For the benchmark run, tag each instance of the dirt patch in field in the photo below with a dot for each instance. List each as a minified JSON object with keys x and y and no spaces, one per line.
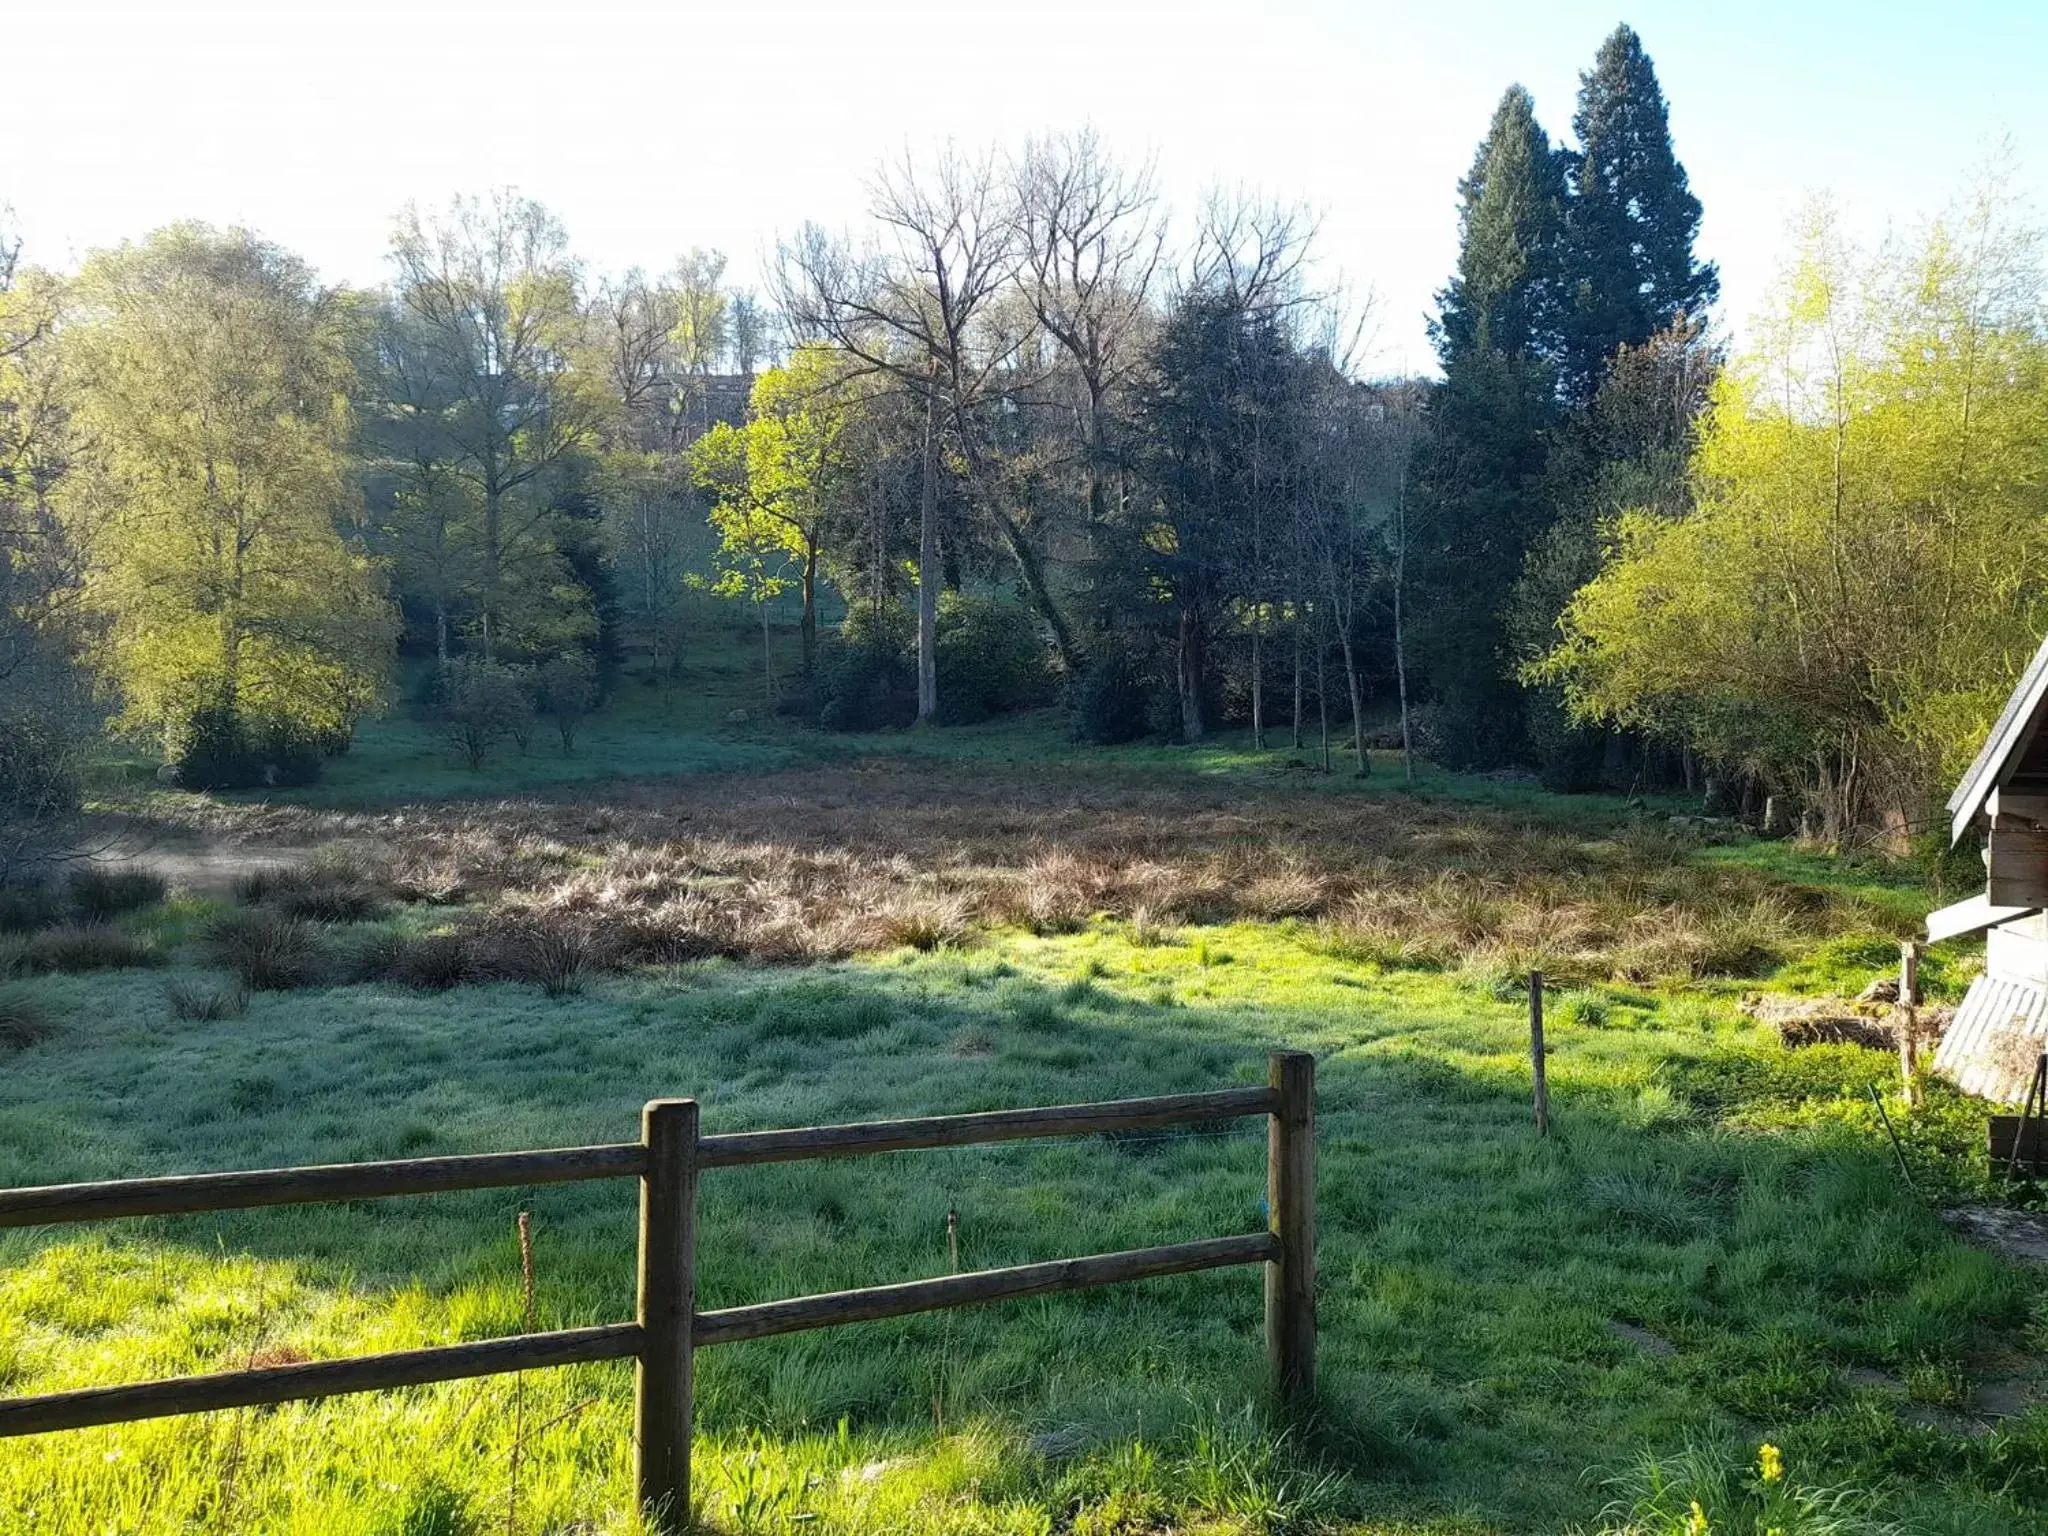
{"x":2021,"y":1236}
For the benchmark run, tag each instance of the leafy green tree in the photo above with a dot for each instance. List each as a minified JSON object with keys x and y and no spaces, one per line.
{"x":650,"y":510}
{"x":48,"y":720}
{"x":1863,"y":574}
{"x":424,"y":515}
{"x":491,"y":312}
{"x":783,"y":483}
{"x":212,"y":379}
{"x":1631,"y":448}
{"x":1630,"y":270}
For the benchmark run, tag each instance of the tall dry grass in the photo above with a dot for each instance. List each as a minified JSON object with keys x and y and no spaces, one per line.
{"x":814,"y":864}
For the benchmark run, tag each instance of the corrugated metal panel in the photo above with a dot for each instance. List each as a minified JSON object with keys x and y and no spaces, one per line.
{"x":1998,"y":1034}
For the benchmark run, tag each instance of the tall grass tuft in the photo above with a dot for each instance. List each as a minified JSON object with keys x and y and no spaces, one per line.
{"x":268,"y":951}
{"x":556,"y":951}
{"x":195,"y":1002}
{"x":336,"y":887}
{"x":74,"y":947}
{"x":22,"y":1022}
{"x":923,"y":921}
{"x":98,"y":895}
{"x":429,"y":962}
{"x":26,"y":905}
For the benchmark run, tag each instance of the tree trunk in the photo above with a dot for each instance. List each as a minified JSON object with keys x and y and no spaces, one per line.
{"x":493,"y":512}
{"x":1357,"y":705}
{"x":878,"y":575}
{"x":1258,"y":685}
{"x":1297,"y":676}
{"x":230,"y":660}
{"x":1401,"y":669}
{"x":441,"y":633}
{"x":810,"y":620}
{"x":231,"y":610}
{"x":767,"y":657}
{"x":1098,"y":499}
{"x":1188,"y":676}
{"x":1032,"y":570}
{"x":1323,"y":697}
{"x":928,"y":572}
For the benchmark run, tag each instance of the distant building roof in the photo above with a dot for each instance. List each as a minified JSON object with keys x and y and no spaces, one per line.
{"x":2015,"y":754}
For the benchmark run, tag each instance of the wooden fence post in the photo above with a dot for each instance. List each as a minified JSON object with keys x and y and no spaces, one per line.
{"x":667,"y":1311}
{"x":1909,"y":1022}
{"x":1291,"y":1201}
{"x":1538,"y":1066}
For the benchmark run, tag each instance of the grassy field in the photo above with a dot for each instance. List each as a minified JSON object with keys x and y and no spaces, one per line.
{"x":1716,"y":1248}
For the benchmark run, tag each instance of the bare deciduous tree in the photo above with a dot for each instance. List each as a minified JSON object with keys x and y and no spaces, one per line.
{"x":920,"y":307}
{"x":1093,"y":241}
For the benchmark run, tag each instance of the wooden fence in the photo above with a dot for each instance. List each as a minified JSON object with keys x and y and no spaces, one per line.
{"x":669,"y":1329}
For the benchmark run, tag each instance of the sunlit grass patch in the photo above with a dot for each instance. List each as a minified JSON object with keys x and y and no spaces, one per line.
{"x":900,"y":936}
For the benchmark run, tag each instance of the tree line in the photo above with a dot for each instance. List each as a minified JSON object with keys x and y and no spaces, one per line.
{"x":1023,"y":436}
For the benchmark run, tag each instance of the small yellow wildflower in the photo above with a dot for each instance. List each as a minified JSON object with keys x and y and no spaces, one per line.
{"x":1697,"y":1525}
{"x":1770,"y":1463}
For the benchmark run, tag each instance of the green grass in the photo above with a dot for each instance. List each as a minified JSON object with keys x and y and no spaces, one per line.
{"x":678,"y":727}
{"x":1470,"y":1272}
{"x":1728,"y":1196}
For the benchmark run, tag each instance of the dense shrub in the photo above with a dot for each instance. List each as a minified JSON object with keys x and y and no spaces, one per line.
{"x":426,"y":698}
{"x":564,"y":691}
{"x":991,"y":659}
{"x":1471,"y":735}
{"x":29,"y":904}
{"x":1112,"y":698}
{"x":49,"y":723}
{"x":1569,"y":756}
{"x":226,"y":749}
{"x":487,"y":705}
{"x":865,"y":678}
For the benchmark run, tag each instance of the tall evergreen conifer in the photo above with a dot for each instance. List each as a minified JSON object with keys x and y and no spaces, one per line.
{"x":1505,"y":296}
{"x":1632,"y":219}
{"x":1480,"y":468}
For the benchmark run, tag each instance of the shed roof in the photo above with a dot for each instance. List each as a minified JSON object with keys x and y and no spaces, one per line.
{"x":2015,"y":751}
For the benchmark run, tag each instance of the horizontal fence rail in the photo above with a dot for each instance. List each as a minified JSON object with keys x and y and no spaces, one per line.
{"x":669,"y":1329}
{"x":264,"y":1385}
{"x":765,"y":1319}
{"x":189,"y":1193}
{"x":737,"y":1148}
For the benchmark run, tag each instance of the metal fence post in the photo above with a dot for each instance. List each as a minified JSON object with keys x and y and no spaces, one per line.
{"x":667,"y":1311}
{"x":1291,"y":1199}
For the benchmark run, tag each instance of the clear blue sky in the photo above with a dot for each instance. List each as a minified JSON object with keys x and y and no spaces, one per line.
{"x":698,"y":125}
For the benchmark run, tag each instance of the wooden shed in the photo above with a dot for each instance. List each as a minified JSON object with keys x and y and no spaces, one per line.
{"x":2001,"y":1030}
